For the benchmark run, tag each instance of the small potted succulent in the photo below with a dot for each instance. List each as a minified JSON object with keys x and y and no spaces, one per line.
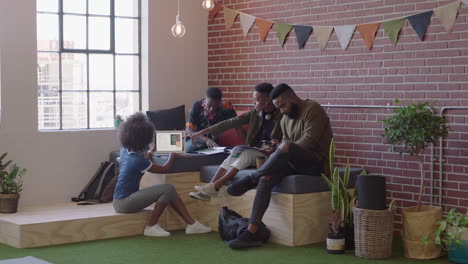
{"x":117,"y":121}
{"x":11,"y":184}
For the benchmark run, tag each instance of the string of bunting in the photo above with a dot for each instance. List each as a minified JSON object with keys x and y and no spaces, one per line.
{"x":446,"y":14}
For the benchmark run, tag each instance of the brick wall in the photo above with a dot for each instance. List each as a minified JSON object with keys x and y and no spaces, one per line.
{"x":433,"y":70}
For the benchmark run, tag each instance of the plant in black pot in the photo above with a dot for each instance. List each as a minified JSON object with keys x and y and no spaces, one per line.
{"x":336,"y":237}
{"x":341,"y":199}
{"x":11,"y":184}
{"x":410,"y":131}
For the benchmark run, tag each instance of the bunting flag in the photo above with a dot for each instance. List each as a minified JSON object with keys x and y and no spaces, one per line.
{"x":229,"y":17}
{"x":282,"y":30}
{"x":368,"y":33}
{"x":264,"y":27}
{"x":447,"y":14}
{"x":323,"y":35}
{"x":247,"y":22}
{"x":344,"y":34}
{"x":420,"y":22}
{"x":302,"y":34}
{"x":215,"y":11}
{"x":392,"y":28}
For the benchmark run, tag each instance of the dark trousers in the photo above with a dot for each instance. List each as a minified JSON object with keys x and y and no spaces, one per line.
{"x":296,"y":160}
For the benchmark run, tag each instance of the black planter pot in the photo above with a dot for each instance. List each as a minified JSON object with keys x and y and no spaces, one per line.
{"x":336,"y":243}
{"x":348,"y":230}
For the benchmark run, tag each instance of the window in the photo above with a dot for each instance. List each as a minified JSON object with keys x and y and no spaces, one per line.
{"x":88,"y":62}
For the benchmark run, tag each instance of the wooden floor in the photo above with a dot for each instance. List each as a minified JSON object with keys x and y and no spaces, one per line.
{"x":67,"y":223}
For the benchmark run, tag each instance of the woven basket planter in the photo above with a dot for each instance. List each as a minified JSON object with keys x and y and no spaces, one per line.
{"x":373,"y":232}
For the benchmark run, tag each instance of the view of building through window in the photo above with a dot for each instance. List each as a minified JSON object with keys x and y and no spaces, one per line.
{"x":88,"y":62}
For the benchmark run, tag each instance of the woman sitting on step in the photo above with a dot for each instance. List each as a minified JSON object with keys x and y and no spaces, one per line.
{"x":136,"y":135}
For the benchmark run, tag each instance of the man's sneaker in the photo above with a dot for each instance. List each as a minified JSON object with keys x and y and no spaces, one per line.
{"x":197,"y":228}
{"x":199,"y":196}
{"x":245,"y":240}
{"x":242,"y":186}
{"x":156,"y":230}
{"x":207,"y":189}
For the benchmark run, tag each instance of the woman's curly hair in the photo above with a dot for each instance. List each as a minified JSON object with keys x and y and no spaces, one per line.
{"x":136,"y":133}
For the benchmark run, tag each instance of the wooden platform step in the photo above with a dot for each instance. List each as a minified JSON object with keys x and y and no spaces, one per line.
{"x":67,"y":223}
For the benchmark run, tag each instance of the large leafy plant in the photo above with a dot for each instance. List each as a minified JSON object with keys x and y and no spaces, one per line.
{"x":10,"y":177}
{"x":447,"y":235}
{"x":411,"y":130}
{"x":341,"y":197}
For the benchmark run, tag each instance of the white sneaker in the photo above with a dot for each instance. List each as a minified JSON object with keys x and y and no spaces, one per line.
{"x":207,"y":189}
{"x":156,"y":230}
{"x":199,"y":196}
{"x":197,"y":228}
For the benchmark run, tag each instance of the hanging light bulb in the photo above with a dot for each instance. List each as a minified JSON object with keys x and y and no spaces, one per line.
{"x":178,"y":29}
{"x":208,"y":4}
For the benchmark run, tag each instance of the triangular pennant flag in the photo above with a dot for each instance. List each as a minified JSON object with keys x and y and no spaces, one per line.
{"x":215,"y":11}
{"x":392,"y":28}
{"x":282,"y":30}
{"x":420,"y":22}
{"x":246,"y":22}
{"x":447,"y":14}
{"x":302,"y":34}
{"x":344,"y":34}
{"x":229,"y":17}
{"x":368,"y":33}
{"x":264,"y":27}
{"x":323,"y":35}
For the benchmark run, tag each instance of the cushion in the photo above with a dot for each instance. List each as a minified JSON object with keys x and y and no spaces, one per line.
{"x":168,"y":119}
{"x":230,"y":138}
{"x":292,"y":184}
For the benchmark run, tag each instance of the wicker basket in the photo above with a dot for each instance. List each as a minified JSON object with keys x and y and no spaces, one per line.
{"x":373,"y":232}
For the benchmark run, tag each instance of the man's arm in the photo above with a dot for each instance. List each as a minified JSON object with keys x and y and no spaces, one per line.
{"x":234,"y":122}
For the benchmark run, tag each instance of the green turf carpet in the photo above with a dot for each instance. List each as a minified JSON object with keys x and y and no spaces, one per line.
{"x":191,"y":249}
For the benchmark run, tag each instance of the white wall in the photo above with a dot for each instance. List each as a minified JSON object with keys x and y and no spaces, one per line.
{"x":61,"y":163}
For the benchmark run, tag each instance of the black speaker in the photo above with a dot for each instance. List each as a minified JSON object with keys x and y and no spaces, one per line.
{"x":371,"y":192}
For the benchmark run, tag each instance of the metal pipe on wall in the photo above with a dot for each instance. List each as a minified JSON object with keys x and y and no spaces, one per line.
{"x":441,"y":149}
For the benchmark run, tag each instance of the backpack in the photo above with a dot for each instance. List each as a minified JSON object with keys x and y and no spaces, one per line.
{"x":231,"y":225}
{"x":100,"y":189}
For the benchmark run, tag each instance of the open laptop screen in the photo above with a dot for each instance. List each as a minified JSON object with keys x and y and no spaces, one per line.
{"x":169,"y":141}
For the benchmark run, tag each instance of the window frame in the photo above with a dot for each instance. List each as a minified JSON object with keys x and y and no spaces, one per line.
{"x":87,"y":52}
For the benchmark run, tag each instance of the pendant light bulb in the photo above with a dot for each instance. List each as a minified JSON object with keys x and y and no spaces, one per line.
{"x":178,"y":29}
{"x":208,"y":4}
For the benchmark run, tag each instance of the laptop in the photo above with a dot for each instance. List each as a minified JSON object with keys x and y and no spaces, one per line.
{"x":167,"y":141}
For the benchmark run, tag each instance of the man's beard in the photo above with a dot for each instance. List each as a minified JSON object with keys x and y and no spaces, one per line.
{"x":294,"y":113}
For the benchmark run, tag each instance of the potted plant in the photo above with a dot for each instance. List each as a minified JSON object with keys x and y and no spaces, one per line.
{"x":410,"y":131}
{"x":452,"y":235}
{"x":11,"y":185}
{"x":117,"y":121}
{"x":336,"y":237}
{"x":341,"y":200}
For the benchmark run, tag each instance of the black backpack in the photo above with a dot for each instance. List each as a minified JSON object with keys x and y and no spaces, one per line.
{"x":100,"y":189}
{"x":231,"y":225}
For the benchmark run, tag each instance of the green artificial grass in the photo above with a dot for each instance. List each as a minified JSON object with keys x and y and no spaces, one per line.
{"x":191,"y":249}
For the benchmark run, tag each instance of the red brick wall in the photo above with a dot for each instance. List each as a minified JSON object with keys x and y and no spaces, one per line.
{"x":433,"y":70}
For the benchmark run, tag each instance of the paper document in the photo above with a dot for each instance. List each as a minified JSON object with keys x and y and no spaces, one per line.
{"x":212,"y":151}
